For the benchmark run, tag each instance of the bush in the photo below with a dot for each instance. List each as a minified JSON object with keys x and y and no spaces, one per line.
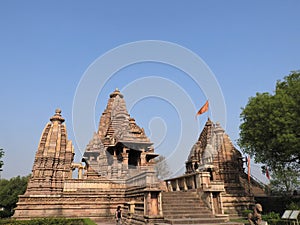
{"x":88,"y":221}
{"x":277,"y":222}
{"x":271,"y":216}
{"x":9,"y":192}
{"x":244,"y":221}
{"x":246,"y":212}
{"x":273,"y":219}
{"x":293,"y":206}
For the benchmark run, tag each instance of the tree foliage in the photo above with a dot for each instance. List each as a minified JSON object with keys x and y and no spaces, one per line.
{"x":284,"y":180}
{"x":9,"y":192}
{"x":1,"y":155}
{"x":161,"y":167}
{"x":270,"y":127}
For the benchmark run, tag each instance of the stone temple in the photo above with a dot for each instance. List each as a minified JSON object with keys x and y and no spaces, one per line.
{"x":117,"y":169}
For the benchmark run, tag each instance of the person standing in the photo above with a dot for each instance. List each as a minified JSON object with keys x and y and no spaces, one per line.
{"x":119,"y":215}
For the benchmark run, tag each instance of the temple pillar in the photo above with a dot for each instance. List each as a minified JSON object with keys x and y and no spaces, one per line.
{"x":114,"y":167}
{"x":79,"y":173}
{"x":147,"y":197}
{"x":131,"y":207}
{"x":184,"y":184}
{"x":177,"y":185}
{"x":160,"y":203}
{"x":221,"y":203}
{"x":169,"y":185}
{"x":143,"y":159}
{"x":194,"y":182}
{"x":125,"y":155}
{"x":211,"y":202}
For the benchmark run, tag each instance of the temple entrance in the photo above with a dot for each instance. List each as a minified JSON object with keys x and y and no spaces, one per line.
{"x":154,"y":204}
{"x":134,"y":157}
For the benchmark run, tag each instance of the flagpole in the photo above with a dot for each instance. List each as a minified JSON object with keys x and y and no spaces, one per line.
{"x":249,"y":173}
{"x":208,"y":113}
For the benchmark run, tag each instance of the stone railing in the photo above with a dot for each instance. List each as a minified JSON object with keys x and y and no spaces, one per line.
{"x":214,"y":186}
{"x":72,"y":185}
{"x":188,"y":181}
{"x":134,"y":207}
{"x":197,"y":180}
{"x":143,"y":179}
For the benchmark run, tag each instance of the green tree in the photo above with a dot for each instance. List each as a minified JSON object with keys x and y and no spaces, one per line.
{"x":270,"y":127}
{"x":284,"y":180}
{"x":1,"y":155}
{"x":161,"y":167}
{"x":9,"y":192}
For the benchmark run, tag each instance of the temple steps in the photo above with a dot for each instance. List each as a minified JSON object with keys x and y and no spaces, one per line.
{"x":187,"y":208}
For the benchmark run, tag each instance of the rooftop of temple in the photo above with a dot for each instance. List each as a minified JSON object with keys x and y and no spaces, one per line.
{"x":119,"y":143}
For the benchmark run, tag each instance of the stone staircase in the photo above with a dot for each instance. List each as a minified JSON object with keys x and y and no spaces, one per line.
{"x":187,"y":208}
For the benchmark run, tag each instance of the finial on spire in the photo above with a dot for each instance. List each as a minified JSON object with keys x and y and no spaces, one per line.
{"x":57,"y":116}
{"x":208,"y":122}
{"x":115,"y":93}
{"x":58,"y":111}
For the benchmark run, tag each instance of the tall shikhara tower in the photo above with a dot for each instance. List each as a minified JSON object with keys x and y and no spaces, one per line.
{"x":51,"y":168}
{"x":53,"y":159}
{"x":120,"y":148}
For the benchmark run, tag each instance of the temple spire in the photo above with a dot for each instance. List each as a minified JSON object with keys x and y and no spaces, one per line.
{"x":54,"y":148}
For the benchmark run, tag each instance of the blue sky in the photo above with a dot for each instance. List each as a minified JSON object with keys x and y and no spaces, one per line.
{"x":46,"y":47}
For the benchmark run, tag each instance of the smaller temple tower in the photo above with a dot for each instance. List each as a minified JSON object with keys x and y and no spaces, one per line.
{"x":51,"y":168}
{"x":214,"y":153}
{"x":53,"y":159}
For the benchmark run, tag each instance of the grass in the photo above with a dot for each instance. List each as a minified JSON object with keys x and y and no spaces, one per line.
{"x":241,"y":220}
{"x":88,"y":221}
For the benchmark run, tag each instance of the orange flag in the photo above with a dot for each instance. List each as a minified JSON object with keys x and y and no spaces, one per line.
{"x":203,"y":109}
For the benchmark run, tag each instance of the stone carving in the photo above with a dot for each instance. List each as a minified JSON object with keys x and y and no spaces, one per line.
{"x":255,"y":218}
